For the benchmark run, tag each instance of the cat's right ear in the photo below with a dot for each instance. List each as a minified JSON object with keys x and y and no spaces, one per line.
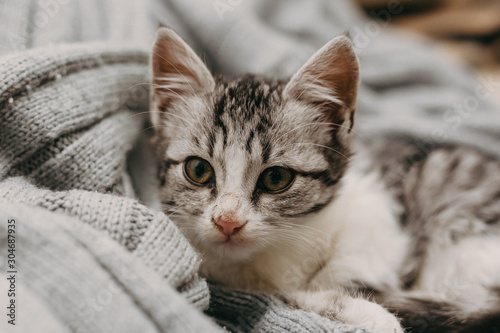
{"x":329,"y":80}
{"x":177,"y":71}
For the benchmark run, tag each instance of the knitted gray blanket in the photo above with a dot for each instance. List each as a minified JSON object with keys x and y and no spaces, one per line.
{"x":90,"y":254}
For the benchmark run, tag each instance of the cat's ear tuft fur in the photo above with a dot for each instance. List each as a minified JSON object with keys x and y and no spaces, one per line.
{"x":177,"y":70}
{"x":329,"y":79}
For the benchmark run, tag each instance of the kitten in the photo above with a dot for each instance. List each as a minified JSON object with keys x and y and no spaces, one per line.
{"x":269,"y":182}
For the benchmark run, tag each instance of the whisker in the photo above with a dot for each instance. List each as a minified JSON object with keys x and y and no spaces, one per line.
{"x":321,"y":123}
{"x":174,"y":92}
{"x":159,"y":126}
{"x":178,"y":71}
{"x":323,"y":146}
{"x":141,"y":84}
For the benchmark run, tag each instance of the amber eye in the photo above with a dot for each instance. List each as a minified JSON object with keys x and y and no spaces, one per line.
{"x":199,"y":171}
{"x":275,"y":179}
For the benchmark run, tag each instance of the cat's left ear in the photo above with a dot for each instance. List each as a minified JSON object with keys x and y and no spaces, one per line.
{"x":177,"y":71}
{"x":329,"y":80}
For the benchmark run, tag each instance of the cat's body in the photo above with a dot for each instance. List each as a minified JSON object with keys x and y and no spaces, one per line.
{"x":264,"y":180}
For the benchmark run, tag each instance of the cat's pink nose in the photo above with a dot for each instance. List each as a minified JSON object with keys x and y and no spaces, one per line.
{"x":228,"y":225}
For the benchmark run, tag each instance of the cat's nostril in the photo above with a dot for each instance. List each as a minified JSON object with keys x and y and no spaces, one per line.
{"x":228,"y":226}
{"x":219,"y":227}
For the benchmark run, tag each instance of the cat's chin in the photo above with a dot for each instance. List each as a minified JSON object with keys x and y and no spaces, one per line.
{"x":233,"y":251}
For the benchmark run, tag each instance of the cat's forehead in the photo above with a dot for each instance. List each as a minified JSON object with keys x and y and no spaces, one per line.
{"x":250,"y":115}
{"x":246,"y":97}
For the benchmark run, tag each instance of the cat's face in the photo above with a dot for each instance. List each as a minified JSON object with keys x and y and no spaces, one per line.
{"x":244,"y":161}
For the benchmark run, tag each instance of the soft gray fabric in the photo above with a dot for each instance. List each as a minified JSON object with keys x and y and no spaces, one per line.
{"x":86,"y":282}
{"x":146,"y":233}
{"x":249,"y":312}
{"x":69,"y":96}
{"x":28,"y":24}
{"x":70,"y":113}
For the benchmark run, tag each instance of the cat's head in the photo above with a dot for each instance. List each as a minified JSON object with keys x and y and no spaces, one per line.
{"x":246,"y":159}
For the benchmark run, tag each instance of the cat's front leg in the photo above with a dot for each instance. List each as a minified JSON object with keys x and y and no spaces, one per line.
{"x":346,"y":309}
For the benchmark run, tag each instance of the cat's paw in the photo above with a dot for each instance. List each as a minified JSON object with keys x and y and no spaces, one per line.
{"x":338,"y":306}
{"x":362,"y":313}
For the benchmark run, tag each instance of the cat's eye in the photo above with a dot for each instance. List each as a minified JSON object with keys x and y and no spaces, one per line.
{"x":199,"y":171}
{"x":275,"y":179}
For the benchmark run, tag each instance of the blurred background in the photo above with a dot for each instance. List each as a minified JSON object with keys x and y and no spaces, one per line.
{"x":469,"y":30}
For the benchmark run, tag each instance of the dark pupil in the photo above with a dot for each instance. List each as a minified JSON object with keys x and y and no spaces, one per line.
{"x":199,"y":169}
{"x":275,"y":177}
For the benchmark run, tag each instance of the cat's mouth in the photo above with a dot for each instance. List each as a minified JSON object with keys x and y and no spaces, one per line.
{"x":235,"y":247}
{"x":233,"y":241}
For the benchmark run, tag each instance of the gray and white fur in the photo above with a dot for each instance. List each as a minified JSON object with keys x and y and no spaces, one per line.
{"x":392,"y":235}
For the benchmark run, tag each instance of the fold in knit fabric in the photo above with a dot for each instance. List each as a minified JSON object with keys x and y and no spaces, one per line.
{"x":64,"y":116}
{"x":73,"y":278}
